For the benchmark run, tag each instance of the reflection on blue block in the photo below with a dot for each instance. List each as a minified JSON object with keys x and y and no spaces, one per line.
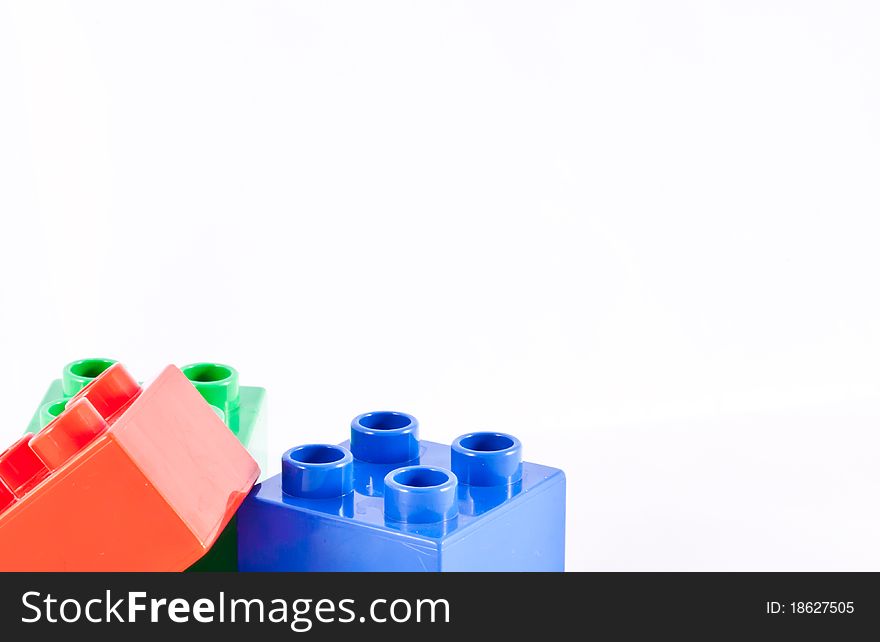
{"x":385,"y":501}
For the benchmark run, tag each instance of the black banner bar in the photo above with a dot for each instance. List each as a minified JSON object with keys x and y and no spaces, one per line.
{"x":399,"y":606}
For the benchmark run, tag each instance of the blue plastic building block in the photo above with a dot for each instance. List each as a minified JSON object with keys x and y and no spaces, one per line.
{"x":385,"y":501}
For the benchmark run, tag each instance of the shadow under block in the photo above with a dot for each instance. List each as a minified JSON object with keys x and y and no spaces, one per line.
{"x":125,"y":479}
{"x":330,"y":510}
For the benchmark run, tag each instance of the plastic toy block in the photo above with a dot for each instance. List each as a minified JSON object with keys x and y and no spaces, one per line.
{"x":75,"y":376}
{"x":242,"y":408}
{"x":386,"y":501}
{"x":126,"y":478}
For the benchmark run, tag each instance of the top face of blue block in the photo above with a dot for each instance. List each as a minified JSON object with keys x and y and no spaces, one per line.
{"x":365,"y":506}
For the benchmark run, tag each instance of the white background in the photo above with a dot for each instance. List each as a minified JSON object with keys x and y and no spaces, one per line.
{"x":642,"y":236}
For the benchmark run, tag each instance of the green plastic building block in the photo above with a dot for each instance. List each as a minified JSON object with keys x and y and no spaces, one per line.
{"x":242,"y":408}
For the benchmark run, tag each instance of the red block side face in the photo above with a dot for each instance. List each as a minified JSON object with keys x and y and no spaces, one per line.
{"x":123,"y":479}
{"x":101,"y":515}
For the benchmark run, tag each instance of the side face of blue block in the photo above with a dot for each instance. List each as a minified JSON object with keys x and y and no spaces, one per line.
{"x":529,"y":537}
{"x":517,"y":527}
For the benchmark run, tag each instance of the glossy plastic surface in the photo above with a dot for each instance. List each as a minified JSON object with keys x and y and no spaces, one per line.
{"x":48,"y":412}
{"x":243,"y":407}
{"x":78,"y":374}
{"x":487,"y":459}
{"x":6,"y":496}
{"x":243,"y":410}
{"x":126,"y":478}
{"x":75,"y":376}
{"x":218,"y":385}
{"x":317,"y":471}
{"x":415,"y":515}
{"x":384,"y":437}
{"x":420,"y":495}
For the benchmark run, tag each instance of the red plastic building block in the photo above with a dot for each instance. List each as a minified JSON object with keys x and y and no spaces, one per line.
{"x":124,"y":479}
